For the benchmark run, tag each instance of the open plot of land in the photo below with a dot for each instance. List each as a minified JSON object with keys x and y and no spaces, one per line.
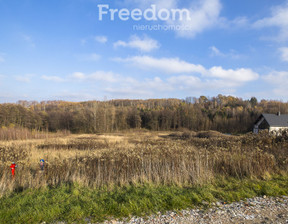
{"x":139,"y":172}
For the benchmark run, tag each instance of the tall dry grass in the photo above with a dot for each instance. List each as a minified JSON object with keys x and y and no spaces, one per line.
{"x":19,"y":133}
{"x":109,"y":160}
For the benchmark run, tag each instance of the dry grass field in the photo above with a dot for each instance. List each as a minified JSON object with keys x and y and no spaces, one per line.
{"x":105,"y":176}
{"x":138,"y":157}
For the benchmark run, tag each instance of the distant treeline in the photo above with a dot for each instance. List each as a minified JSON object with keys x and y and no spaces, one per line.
{"x":222,"y":113}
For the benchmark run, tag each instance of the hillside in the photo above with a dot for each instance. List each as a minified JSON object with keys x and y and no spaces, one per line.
{"x":226,"y":114}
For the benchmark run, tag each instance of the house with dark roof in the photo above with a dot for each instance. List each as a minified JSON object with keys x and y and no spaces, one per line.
{"x":271,"y":122}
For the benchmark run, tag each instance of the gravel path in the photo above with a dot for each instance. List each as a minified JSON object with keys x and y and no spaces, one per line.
{"x":256,"y":210}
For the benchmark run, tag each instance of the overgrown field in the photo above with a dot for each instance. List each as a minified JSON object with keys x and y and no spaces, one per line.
{"x":133,"y":160}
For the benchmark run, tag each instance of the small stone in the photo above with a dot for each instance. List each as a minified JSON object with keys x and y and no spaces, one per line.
{"x":218,"y":204}
{"x":205,"y":203}
{"x":172,"y":214}
{"x":269,"y":210}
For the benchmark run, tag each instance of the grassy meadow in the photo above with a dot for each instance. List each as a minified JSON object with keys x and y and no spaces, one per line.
{"x":104,"y":176}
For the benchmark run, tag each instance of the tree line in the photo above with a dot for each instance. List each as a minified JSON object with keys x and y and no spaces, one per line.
{"x":226,"y":114}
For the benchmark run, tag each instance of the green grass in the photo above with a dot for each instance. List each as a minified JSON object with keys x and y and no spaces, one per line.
{"x":74,"y":203}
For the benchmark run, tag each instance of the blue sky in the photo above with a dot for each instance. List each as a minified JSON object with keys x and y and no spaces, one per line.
{"x":61,"y":50}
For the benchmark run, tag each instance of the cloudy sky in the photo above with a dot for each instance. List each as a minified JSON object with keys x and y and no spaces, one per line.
{"x":95,"y":49}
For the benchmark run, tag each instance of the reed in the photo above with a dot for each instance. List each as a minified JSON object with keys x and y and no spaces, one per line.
{"x":20,"y":133}
{"x":129,"y":158}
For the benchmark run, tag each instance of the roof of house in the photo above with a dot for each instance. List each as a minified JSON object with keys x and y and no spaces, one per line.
{"x":275,"y":120}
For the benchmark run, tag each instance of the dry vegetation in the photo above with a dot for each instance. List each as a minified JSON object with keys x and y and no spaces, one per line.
{"x":20,"y":133}
{"x":137,"y":157}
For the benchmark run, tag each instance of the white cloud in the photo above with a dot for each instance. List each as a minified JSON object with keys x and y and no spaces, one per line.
{"x":93,"y":57}
{"x":204,"y":15}
{"x":96,"y":76}
{"x":158,"y":84}
{"x":92,"y":39}
{"x":190,"y":82}
{"x":186,"y":81}
{"x":276,"y":77}
{"x":104,"y":76}
{"x":79,"y":75}
{"x":167,"y":65}
{"x":239,"y":22}
{"x":278,"y":81}
{"x":101,"y":39}
{"x":216,"y":52}
{"x":182,"y":84}
{"x":143,"y":89}
{"x":187,"y":78}
{"x":168,"y":4}
{"x":128,"y":92}
{"x":238,"y":75}
{"x":278,"y":18}
{"x":146,"y":44}
{"x":89,"y":57}
{"x":284,"y":53}
{"x":53,"y":78}
{"x":80,"y":95}
{"x":24,"y":78}
{"x":177,"y":66}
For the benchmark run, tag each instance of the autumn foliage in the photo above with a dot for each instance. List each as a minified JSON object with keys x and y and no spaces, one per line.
{"x":226,"y":114}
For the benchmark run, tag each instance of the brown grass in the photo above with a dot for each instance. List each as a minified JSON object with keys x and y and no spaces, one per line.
{"x":140,"y":157}
{"x":19,"y":133}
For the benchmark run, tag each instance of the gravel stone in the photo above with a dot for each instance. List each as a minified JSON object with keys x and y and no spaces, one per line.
{"x":262,"y":210}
